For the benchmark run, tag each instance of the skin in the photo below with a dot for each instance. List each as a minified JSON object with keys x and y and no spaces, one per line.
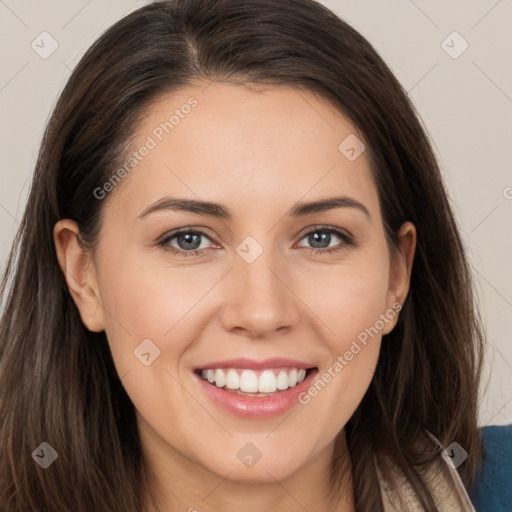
{"x":256,"y":152}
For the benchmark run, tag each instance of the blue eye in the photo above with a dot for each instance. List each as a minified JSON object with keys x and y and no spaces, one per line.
{"x":189,"y":243}
{"x":321,"y":237}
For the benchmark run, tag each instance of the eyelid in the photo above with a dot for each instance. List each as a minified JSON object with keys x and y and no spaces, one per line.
{"x":189,"y":229}
{"x":325,"y":227}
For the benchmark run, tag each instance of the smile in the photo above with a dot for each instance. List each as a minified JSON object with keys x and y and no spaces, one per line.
{"x":257,"y":390}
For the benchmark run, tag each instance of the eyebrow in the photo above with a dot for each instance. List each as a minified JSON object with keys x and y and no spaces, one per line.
{"x":222,"y":212}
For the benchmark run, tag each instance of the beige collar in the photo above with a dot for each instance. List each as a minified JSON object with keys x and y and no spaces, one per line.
{"x":444,"y":482}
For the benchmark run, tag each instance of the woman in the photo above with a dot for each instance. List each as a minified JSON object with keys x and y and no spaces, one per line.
{"x":238,"y":282}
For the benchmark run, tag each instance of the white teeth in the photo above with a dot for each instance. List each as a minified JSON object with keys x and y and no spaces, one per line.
{"x":232,"y":380}
{"x":282,"y":381}
{"x":267,"y":382}
{"x":220,"y":378}
{"x":292,"y":378}
{"x":248,"y":381}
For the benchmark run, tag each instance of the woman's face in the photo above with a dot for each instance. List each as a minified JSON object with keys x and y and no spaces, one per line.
{"x":277,"y":287}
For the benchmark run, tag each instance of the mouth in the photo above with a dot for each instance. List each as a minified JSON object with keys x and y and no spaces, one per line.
{"x":255,"y":390}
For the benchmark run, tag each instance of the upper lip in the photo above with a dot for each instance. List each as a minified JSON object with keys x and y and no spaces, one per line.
{"x":252,"y":364}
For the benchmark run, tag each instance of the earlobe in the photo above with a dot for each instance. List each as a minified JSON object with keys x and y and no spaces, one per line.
{"x":400,"y":269}
{"x":79,"y":272}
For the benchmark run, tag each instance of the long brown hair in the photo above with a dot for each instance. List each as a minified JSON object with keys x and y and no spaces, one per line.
{"x":58,"y":382}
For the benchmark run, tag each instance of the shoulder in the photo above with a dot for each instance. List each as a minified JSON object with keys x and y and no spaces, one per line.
{"x":492,"y":490}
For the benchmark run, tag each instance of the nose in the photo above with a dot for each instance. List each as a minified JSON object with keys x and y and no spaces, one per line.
{"x":260,"y":300}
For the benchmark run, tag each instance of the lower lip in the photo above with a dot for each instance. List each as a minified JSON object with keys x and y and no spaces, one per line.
{"x":253,"y":406}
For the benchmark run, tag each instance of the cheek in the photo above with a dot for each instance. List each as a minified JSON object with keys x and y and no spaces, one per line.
{"x":347,"y":298}
{"x":152,"y":310}
{"x":143,"y":302}
{"x":147,"y":300}
{"x":350,"y":303}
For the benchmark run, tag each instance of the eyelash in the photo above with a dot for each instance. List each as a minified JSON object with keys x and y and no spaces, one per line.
{"x":347,"y":241}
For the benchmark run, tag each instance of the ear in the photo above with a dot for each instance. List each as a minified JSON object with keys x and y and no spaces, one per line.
{"x":79,"y":271}
{"x":400,"y":271}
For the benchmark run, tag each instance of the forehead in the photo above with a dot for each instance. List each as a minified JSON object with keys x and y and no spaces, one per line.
{"x":243,"y":146}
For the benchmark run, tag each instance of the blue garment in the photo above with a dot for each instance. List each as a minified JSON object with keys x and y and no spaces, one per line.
{"x":492,"y":491}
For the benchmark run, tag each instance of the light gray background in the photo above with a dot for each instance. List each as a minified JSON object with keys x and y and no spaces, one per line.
{"x":465,"y":104}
